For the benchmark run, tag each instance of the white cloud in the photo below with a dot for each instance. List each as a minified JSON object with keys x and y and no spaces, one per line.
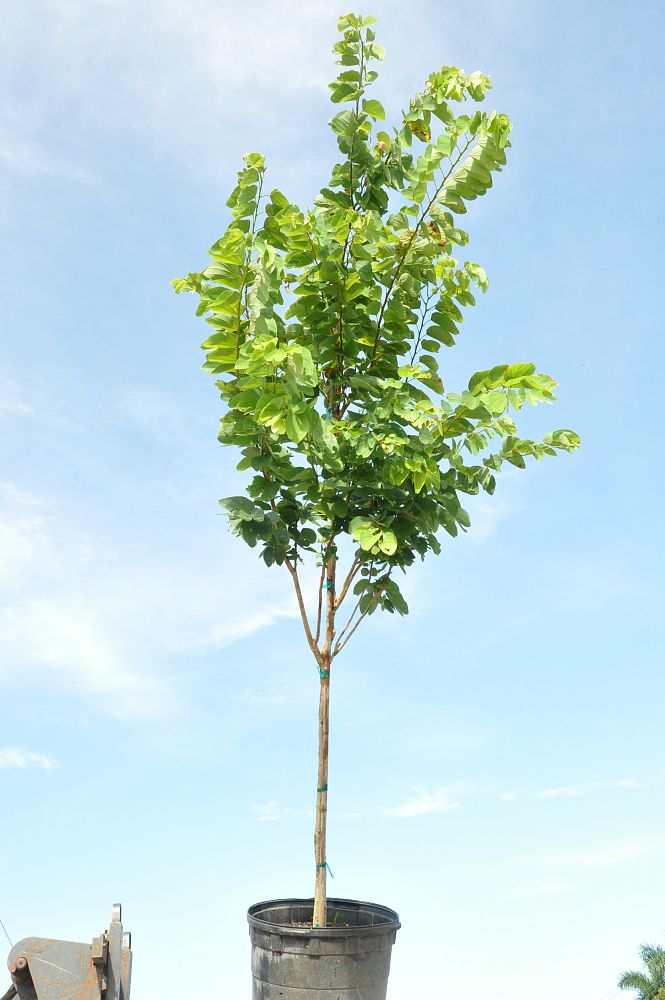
{"x":578,"y":790}
{"x":12,"y":757}
{"x":270,"y":812}
{"x":424,"y":802}
{"x":267,"y":812}
{"x":21,"y":539}
{"x":564,"y":792}
{"x":108,"y":626}
{"x":549,"y":886}
{"x":487,"y":512}
{"x":154,"y":412}
{"x":280,"y":696}
{"x":610,"y":854}
{"x":245,"y":622}
{"x":160,"y":67}
{"x":24,"y":156}
{"x":12,"y":401}
{"x":508,"y":797}
{"x":187,"y":78}
{"x":67,"y":638}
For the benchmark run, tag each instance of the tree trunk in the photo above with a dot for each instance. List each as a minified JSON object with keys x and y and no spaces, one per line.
{"x":320,"y":824}
{"x":319,"y":918}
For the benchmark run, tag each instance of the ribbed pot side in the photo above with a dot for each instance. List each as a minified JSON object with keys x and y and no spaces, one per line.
{"x":293,"y":961}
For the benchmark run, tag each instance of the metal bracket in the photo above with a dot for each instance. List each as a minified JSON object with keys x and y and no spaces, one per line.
{"x":46,"y":969}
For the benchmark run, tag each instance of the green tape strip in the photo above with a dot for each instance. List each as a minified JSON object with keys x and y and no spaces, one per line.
{"x":324,"y":864}
{"x":324,"y":673}
{"x":323,"y":788}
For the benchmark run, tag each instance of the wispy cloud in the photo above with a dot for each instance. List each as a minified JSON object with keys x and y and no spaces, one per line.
{"x":21,"y":538}
{"x":144,"y":69}
{"x":13,"y":757}
{"x":563,"y":792}
{"x":551,"y":885}
{"x":271,"y":812}
{"x":20,"y":155}
{"x":12,"y":401}
{"x":424,"y":802}
{"x":87,"y":617}
{"x":155,"y":413}
{"x":575,"y":791}
{"x":610,"y":853}
{"x":508,"y":797}
{"x":267,"y":812}
{"x":278,"y":696}
{"x":487,"y":513}
{"x":68,"y":638}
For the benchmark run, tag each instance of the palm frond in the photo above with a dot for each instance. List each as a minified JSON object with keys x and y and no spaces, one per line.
{"x":637,"y":981}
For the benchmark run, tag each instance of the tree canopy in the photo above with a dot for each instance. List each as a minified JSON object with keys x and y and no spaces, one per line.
{"x":328,"y":325}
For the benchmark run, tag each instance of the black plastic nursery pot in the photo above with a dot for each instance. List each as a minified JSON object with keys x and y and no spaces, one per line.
{"x":347,"y":961}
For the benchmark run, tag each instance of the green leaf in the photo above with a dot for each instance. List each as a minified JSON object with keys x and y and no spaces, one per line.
{"x":374,"y":109}
{"x":297,"y":426}
{"x":230,"y":249}
{"x":518,"y":371}
{"x":567,"y":440}
{"x":255,"y":160}
{"x":495,"y":401}
{"x":388,"y":543}
{"x":307,"y":537}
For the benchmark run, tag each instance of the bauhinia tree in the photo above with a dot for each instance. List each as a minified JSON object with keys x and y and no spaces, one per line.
{"x":327,"y":325}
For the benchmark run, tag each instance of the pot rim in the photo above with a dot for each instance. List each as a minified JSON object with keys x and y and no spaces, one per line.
{"x":389,"y":919}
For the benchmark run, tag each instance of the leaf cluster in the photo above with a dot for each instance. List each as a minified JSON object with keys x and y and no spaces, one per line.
{"x":650,"y":984}
{"x":327,"y":326}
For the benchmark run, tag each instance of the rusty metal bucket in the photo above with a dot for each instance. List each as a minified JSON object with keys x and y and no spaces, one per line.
{"x":347,"y":961}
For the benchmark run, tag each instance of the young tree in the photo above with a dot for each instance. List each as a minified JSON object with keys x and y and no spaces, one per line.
{"x":326,"y":329}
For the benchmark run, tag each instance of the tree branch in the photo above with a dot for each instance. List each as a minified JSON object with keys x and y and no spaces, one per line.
{"x":398,"y":269}
{"x":370,"y":607}
{"x":353,"y":572}
{"x":423,"y":318}
{"x":320,"y":608}
{"x":313,"y":643}
{"x":303,"y":614}
{"x":346,"y":627}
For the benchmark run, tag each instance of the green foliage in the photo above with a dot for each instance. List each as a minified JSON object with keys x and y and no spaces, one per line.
{"x":327,"y":326}
{"x":648,"y":985}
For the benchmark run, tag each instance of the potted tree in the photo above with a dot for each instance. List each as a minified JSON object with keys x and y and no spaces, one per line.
{"x":327,"y":325}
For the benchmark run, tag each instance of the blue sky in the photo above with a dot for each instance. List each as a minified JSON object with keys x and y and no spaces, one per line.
{"x":497,"y":765}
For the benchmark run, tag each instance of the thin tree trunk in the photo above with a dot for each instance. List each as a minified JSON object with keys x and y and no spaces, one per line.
{"x":320,"y":824}
{"x":319,"y":918}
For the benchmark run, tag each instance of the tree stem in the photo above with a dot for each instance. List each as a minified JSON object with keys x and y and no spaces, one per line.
{"x":320,"y":826}
{"x":320,"y":823}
